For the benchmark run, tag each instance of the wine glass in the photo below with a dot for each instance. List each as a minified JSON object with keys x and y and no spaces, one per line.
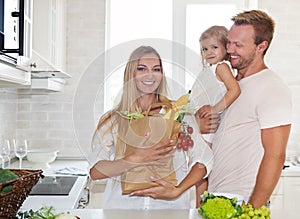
{"x":20,"y":150}
{"x":5,"y":151}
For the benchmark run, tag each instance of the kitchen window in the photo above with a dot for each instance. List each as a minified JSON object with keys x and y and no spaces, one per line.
{"x":180,"y":21}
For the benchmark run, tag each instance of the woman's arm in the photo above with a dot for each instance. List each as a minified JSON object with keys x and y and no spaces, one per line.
{"x":139,"y":157}
{"x":166,"y":190}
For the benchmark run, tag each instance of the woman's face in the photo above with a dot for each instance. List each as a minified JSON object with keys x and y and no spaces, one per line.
{"x":148,"y":74}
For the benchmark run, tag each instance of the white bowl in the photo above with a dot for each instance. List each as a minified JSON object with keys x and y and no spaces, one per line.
{"x":40,"y":158}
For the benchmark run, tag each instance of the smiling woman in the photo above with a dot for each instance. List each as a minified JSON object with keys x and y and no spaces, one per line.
{"x":124,"y":157}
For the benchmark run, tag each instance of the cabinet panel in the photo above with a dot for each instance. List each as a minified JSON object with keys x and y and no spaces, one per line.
{"x":49,"y":34}
{"x":279,"y":187}
{"x":12,"y":76}
{"x":291,"y":193}
{"x":276,"y":202}
{"x":276,"y":199}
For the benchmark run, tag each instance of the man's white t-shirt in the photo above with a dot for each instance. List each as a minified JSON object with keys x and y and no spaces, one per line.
{"x":264,"y":102}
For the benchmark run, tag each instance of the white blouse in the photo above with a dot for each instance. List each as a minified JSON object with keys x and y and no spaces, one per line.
{"x":104,"y":147}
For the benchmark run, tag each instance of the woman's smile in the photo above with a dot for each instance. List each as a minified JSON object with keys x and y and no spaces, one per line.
{"x":148,"y":74}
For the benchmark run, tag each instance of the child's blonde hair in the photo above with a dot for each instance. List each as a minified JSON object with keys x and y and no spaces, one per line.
{"x":220,"y":32}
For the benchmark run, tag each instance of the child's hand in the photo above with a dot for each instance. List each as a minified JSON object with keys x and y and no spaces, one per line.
{"x":205,"y":111}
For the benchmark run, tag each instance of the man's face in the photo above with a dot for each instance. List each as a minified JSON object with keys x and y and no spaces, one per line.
{"x":241,"y":46}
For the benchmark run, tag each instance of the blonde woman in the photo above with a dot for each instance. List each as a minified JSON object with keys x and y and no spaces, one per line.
{"x":145,"y":84}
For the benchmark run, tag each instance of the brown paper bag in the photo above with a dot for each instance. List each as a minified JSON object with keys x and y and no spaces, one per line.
{"x":161,"y":130}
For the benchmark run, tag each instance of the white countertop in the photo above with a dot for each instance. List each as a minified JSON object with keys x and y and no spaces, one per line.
{"x":70,"y":201}
{"x":292,"y":170}
{"x":159,"y":214}
{"x":67,"y":203}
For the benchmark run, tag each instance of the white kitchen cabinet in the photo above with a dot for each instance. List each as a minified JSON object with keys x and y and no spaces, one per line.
{"x":287,"y":192}
{"x":97,"y":189}
{"x":49,"y":34}
{"x":276,"y":199}
{"x":291,"y":193}
{"x":11,"y":76}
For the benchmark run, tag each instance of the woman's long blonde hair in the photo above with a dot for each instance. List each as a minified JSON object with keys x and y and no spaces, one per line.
{"x":129,"y":99}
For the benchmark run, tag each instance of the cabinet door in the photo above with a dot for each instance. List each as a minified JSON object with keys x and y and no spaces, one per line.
{"x":27,"y":28}
{"x":276,"y":199}
{"x":49,"y":37}
{"x":291,"y":193}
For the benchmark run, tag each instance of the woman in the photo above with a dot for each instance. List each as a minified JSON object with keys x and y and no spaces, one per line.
{"x":145,"y":84}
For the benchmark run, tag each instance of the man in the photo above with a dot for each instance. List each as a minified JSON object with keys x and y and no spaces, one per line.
{"x":250,"y":143}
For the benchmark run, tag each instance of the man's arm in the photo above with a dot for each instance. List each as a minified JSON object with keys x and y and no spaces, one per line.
{"x":274,"y":141}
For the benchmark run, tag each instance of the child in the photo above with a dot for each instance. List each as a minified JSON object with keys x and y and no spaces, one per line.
{"x":216,"y":70}
{"x":217,"y":79}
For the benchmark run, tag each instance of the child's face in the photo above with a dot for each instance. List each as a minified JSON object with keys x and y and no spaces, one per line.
{"x":148,"y":74}
{"x":212,"y":50}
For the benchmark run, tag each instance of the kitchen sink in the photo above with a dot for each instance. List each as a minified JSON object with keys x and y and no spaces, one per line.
{"x":54,"y":185}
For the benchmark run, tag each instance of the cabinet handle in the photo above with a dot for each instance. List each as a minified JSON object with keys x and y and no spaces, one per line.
{"x":33,"y":65}
{"x":15,"y":14}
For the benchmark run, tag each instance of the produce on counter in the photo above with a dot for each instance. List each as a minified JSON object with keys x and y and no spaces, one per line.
{"x":45,"y":213}
{"x":6,"y":175}
{"x":221,"y":207}
{"x":66,"y":216}
{"x":258,"y":213}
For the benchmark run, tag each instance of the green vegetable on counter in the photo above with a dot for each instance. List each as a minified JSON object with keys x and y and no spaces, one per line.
{"x":219,"y":207}
{"x":45,"y":212}
{"x":6,"y":175}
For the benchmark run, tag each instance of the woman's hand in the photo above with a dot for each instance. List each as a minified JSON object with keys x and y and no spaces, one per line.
{"x":150,"y":155}
{"x":163,"y":190}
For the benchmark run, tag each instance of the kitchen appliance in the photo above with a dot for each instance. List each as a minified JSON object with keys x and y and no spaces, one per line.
{"x":54,"y":185}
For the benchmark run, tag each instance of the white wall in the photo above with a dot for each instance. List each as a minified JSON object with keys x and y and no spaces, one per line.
{"x":284,"y":55}
{"x":8,"y":113}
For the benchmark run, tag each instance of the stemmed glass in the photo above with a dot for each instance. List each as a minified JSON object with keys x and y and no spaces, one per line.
{"x":20,"y":150}
{"x":5,"y":152}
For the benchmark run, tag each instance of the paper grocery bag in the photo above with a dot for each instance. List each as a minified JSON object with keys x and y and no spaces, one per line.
{"x":161,"y":130}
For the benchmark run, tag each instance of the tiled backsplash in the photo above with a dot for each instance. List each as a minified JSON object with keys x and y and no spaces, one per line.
{"x":8,"y":113}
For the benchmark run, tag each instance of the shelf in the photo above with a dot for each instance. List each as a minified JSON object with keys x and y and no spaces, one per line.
{"x":42,"y":68}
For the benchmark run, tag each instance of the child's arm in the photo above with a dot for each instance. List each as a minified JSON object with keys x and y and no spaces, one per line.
{"x":201,"y":187}
{"x":223,"y":74}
